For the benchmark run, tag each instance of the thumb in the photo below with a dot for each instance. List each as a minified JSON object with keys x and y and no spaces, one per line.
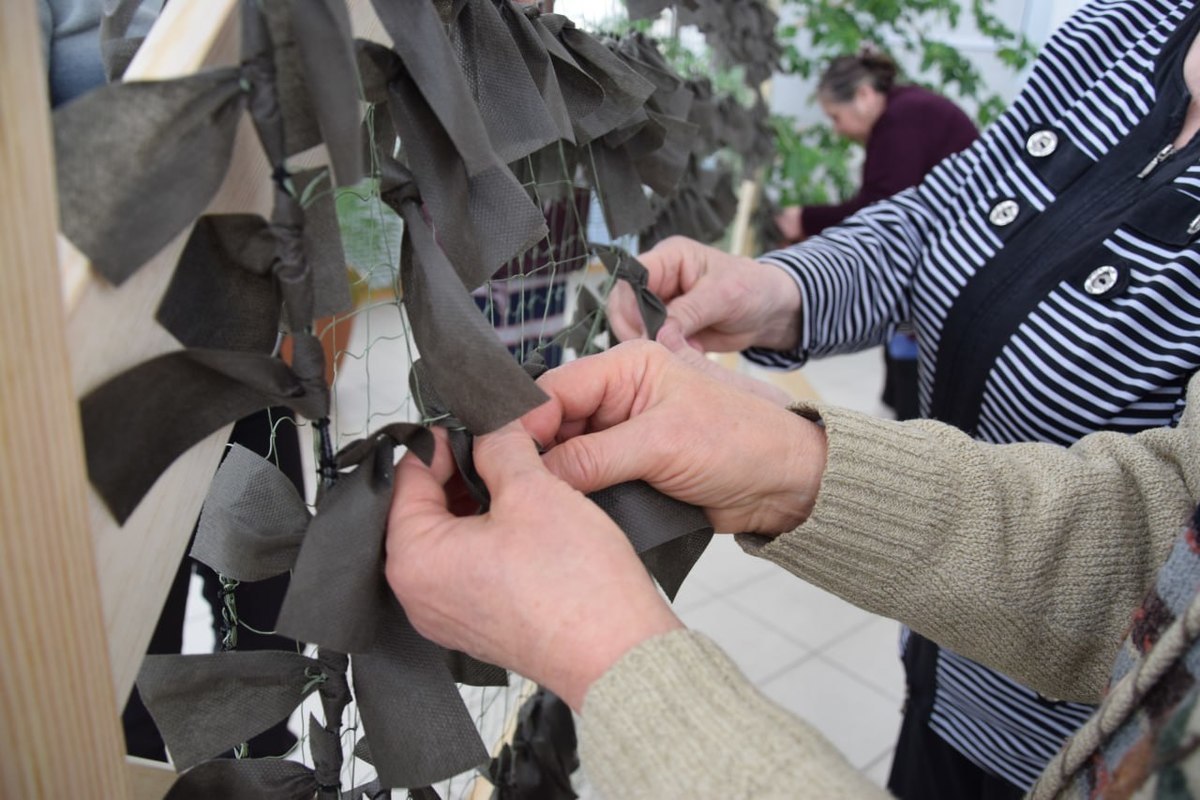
{"x":598,"y":460}
{"x":506,"y":456}
{"x":699,"y":308}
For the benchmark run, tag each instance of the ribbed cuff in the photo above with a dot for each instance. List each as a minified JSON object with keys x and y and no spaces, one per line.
{"x":880,"y":505}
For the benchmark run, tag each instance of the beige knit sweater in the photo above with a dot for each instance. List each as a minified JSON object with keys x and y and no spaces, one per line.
{"x":1029,"y":558}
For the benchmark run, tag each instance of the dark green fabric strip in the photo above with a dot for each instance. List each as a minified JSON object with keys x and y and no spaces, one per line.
{"x":253,"y":520}
{"x":468,"y":367}
{"x":204,"y":705}
{"x":221,"y":295}
{"x":517,"y":120}
{"x":136,"y":163}
{"x":669,"y":534}
{"x":247,"y":779}
{"x":138,"y":423}
{"x":338,"y":592}
{"x":492,"y":217}
{"x":419,"y":730}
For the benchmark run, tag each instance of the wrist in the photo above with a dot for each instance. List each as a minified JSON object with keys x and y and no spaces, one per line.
{"x":803,"y":465}
{"x":583,"y":654}
{"x":780,"y":299}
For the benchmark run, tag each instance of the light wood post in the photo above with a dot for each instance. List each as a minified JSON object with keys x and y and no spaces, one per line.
{"x":58,"y":733}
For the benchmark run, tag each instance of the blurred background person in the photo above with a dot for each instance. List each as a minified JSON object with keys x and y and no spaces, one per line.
{"x":906,"y":130}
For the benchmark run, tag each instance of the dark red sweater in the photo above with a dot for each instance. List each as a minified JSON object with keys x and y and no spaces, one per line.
{"x":916,"y":130}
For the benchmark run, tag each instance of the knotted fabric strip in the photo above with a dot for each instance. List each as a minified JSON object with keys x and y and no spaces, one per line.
{"x":325,"y":258}
{"x":625,"y":92}
{"x":323,"y":34}
{"x":581,"y":93}
{"x":622,"y":265}
{"x":338,"y":593}
{"x":245,"y":779}
{"x":540,"y":67}
{"x":468,"y":367}
{"x":326,"y":749}
{"x":588,"y":323}
{"x":253,"y":520}
{"x":668,"y":534}
{"x":137,"y":162}
{"x":419,"y":729}
{"x":299,"y":59}
{"x":221,"y":295}
{"x":461,"y":441}
{"x":178,"y":399}
{"x":335,"y":689}
{"x":226,"y":291}
{"x":701,"y":208}
{"x":471,"y":195}
{"x":740,"y":34}
{"x":517,"y":120}
{"x":206,"y":704}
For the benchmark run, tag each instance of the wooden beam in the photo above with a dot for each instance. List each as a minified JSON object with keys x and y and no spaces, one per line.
{"x":149,"y":780}
{"x":58,"y":732}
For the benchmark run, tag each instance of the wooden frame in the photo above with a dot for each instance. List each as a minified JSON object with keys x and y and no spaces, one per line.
{"x":79,"y":594}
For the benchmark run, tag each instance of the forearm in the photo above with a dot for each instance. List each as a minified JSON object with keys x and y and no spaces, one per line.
{"x":675,"y":718}
{"x":1029,"y":558}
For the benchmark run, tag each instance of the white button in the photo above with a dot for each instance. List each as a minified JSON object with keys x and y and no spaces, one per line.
{"x":1041,"y":143}
{"x":1101,"y":280}
{"x":1004,"y":212}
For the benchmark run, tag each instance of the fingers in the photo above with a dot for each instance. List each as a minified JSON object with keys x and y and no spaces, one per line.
{"x":598,"y":391}
{"x":599,"y":460}
{"x":624,"y":315}
{"x":705,"y":305}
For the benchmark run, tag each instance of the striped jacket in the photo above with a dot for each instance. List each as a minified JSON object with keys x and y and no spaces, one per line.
{"x":1052,"y":275}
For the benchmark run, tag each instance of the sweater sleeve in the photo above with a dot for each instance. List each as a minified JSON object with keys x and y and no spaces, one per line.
{"x":1029,"y":558}
{"x":675,"y":718}
{"x":855,"y":279}
{"x":893,"y":163}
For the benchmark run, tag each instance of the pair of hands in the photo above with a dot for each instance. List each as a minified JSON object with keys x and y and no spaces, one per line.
{"x":545,"y":583}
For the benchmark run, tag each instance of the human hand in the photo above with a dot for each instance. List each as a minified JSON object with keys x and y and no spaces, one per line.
{"x":790,"y":222}
{"x":544,"y":583}
{"x":721,"y":302}
{"x":637,"y":412}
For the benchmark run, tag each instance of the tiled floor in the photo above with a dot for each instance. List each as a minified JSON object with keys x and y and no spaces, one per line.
{"x":816,"y":655}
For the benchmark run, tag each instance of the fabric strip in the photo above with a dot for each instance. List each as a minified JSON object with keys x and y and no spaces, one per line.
{"x":253,"y":520}
{"x":468,"y":367}
{"x":138,"y":162}
{"x":204,"y":705}
{"x":138,"y":423}
{"x":670,"y":535}
{"x":338,"y":592}
{"x":419,"y":730}
{"x":246,"y":779}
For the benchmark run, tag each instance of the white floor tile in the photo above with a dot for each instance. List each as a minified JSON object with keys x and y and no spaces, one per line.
{"x":802,"y":612}
{"x":870,"y":654}
{"x":725,"y":567}
{"x":758,"y":650}
{"x":853,"y":381}
{"x":877,"y":771}
{"x":857,"y":719}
